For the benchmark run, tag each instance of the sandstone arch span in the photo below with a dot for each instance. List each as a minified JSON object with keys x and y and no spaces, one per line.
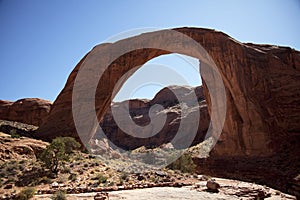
{"x":253,"y":123}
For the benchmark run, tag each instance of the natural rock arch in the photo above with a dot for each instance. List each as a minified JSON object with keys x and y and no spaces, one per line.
{"x":253,"y":121}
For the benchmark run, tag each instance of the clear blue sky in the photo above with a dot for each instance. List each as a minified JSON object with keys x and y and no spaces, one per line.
{"x":42,"y":40}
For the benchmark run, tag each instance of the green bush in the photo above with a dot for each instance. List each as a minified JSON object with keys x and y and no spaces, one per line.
{"x":58,"y":152}
{"x":59,"y":195}
{"x":70,"y":144}
{"x":25,"y":194}
{"x":14,"y":134}
{"x":185,"y":164}
{"x":100,"y":178}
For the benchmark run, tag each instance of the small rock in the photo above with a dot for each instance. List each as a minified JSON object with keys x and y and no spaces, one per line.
{"x":101,"y":196}
{"x":177,"y":184}
{"x":160,"y":173}
{"x":140,"y":178}
{"x":202,"y":177}
{"x":167,"y":180}
{"x":54,"y":185}
{"x":92,"y":156}
{"x":261,"y":194}
{"x":212,"y":186}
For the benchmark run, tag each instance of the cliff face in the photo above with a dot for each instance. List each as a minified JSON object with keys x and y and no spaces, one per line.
{"x":32,"y":111}
{"x":139,"y":111}
{"x":261,"y":82}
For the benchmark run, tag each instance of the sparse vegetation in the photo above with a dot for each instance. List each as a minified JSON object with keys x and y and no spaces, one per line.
{"x":100,"y":178}
{"x":66,"y":169}
{"x":62,"y":178}
{"x":58,"y":152}
{"x":25,"y":194}
{"x":59,"y":195}
{"x":8,"y":171}
{"x":124,"y":176}
{"x":73,"y":177}
{"x":185,"y":164}
{"x":45,"y":180}
{"x":14,"y":134}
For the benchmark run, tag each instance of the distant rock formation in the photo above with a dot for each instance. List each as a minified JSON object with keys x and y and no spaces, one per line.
{"x":32,"y":111}
{"x":139,"y":111}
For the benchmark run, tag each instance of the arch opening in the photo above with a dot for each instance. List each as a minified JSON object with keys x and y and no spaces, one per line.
{"x":165,"y":69}
{"x":158,"y":76}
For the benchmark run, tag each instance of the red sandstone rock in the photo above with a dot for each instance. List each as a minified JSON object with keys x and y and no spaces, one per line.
{"x":262,"y":99}
{"x":32,"y":111}
{"x":139,"y":110}
{"x":16,"y":149}
{"x":262,"y":86}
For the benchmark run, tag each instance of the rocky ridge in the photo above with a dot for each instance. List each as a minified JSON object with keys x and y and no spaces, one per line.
{"x":32,"y":111}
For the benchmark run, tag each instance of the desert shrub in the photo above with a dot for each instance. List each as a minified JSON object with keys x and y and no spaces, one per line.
{"x":59,"y":195}
{"x":73,"y":177}
{"x":58,"y":152}
{"x":70,"y":144}
{"x":12,"y":166}
{"x":100,"y":178}
{"x":26,"y":193}
{"x":14,"y":134}
{"x":124,"y":176}
{"x":45,"y":180}
{"x":9,"y":170}
{"x":185,"y":164}
{"x":62,"y":179}
{"x":66,"y":169}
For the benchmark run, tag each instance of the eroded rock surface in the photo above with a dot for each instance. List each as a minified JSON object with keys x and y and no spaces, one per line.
{"x":139,"y":111}
{"x":32,"y":111}
{"x":18,"y":149}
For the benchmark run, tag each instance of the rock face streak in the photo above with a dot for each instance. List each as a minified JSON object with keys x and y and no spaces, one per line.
{"x":262,"y":87}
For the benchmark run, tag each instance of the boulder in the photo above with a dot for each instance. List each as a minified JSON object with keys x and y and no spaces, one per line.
{"x":212,"y":186}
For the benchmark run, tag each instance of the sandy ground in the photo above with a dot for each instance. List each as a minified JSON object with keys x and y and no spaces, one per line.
{"x":165,"y":193}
